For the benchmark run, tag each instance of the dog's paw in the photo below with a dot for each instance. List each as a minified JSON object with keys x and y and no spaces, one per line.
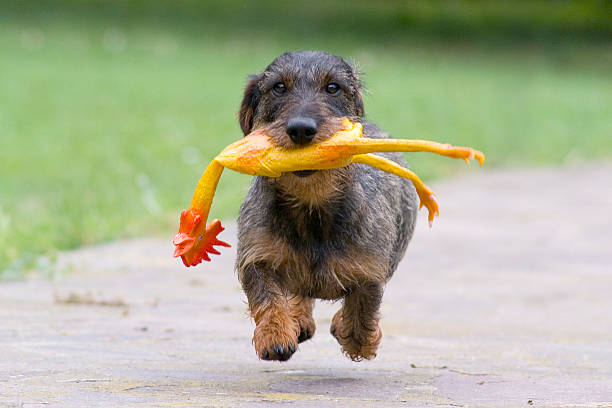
{"x":307,"y":328}
{"x":357,"y":344}
{"x":274,"y":340}
{"x":277,"y":352}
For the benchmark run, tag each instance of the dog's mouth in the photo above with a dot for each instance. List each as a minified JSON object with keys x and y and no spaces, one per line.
{"x":304,"y":173}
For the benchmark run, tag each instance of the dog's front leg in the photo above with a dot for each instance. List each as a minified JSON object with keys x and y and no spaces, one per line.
{"x":355,"y":325}
{"x":277,"y":330}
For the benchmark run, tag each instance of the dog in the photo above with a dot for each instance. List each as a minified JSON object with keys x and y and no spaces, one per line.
{"x":326,"y":234}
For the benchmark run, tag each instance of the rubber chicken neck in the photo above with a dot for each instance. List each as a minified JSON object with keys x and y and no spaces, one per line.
{"x":256,"y":154}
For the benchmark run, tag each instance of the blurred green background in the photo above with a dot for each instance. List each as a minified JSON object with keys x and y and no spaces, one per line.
{"x":110,"y":110}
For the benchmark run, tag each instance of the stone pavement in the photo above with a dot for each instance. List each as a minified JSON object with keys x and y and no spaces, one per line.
{"x":505,"y":302}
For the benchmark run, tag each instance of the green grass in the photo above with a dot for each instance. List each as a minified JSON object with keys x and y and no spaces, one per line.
{"x":106,"y":124}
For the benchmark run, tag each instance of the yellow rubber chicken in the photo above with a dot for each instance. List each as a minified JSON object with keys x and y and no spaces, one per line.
{"x":256,"y":154}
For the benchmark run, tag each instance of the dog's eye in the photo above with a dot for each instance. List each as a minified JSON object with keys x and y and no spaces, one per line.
{"x":279,"y":89}
{"x":332,"y":88}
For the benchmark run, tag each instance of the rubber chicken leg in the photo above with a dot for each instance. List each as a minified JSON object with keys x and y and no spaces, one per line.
{"x":255,"y":154}
{"x":195,"y":239}
{"x":426,"y":196}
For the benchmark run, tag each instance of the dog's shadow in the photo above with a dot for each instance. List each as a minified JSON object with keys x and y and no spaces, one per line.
{"x":358,"y":384}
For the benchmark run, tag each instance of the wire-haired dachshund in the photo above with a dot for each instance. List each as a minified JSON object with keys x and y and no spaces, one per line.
{"x":324,"y":234}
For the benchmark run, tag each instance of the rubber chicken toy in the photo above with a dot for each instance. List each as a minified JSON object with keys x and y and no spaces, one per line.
{"x":255,"y":154}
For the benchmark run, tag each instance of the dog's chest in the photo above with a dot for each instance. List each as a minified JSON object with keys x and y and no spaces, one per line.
{"x":319,"y":253}
{"x":316,"y":234}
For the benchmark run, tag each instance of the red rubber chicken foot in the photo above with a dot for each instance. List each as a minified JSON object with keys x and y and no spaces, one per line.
{"x":186,"y":242}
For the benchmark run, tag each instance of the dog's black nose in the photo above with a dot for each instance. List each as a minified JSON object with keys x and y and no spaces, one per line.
{"x":301,"y":130}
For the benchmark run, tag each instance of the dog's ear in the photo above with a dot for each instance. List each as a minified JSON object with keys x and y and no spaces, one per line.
{"x":250,"y":100}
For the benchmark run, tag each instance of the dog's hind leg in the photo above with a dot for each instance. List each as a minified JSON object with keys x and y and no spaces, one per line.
{"x":355,"y":325}
{"x":302,"y":310}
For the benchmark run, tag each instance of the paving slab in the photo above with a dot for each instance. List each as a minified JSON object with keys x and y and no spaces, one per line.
{"x":505,"y":302}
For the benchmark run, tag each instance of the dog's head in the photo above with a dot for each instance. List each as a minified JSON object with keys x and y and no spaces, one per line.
{"x":301,"y":98}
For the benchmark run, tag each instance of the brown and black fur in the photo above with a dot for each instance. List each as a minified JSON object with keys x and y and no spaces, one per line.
{"x":328,"y":234}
